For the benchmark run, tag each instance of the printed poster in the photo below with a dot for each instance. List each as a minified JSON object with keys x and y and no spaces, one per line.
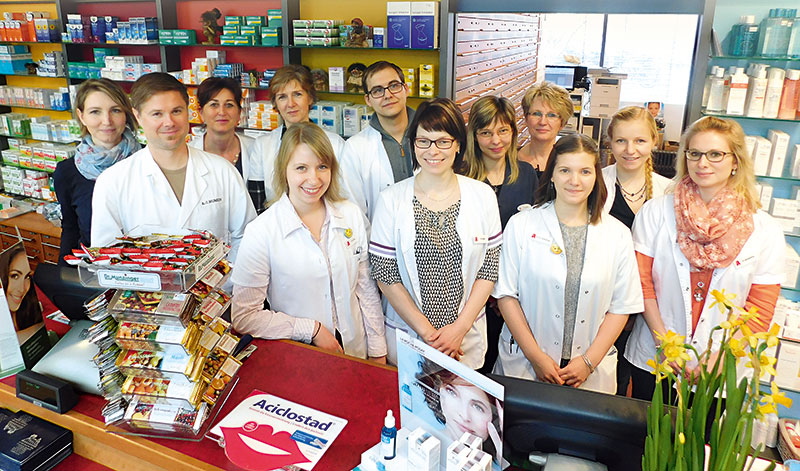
{"x":447,"y":398}
{"x":265,"y":432}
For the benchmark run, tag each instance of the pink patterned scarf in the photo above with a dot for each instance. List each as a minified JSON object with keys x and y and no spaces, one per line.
{"x":711,"y":235}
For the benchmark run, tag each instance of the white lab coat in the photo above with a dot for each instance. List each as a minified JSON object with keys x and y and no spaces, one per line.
{"x":279,"y":252}
{"x":246,"y":154}
{"x":366,"y":168}
{"x":265,"y":152}
{"x":760,"y":261}
{"x":393,"y":236}
{"x":134,"y":195}
{"x":533,"y":274}
{"x":660,"y":185}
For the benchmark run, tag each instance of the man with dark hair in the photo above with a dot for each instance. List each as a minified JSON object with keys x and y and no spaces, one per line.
{"x":168,"y":186}
{"x":380,"y":154}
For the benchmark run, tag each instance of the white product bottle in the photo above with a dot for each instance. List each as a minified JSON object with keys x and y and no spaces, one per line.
{"x":707,"y":85}
{"x":717,"y":91}
{"x":772,"y":100}
{"x":756,"y":91}
{"x":727,"y":88}
{"x":738,"y":93}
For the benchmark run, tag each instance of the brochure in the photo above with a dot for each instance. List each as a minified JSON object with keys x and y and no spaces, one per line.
{"x":265,"y":432}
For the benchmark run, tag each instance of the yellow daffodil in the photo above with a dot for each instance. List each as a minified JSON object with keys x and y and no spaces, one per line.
{"x":765,"y":361}
{"x":660,"y":370}
{"x":723,"y":301}
{"x":682,"y":438}
{"x":671,"y":339}
{"x":737,"y":348}
{"x":770,"y":401}
{"x":771,"y":336}
{"x":747,"y":335}
{"x":676,"y":353}
{"x":751,"y":314}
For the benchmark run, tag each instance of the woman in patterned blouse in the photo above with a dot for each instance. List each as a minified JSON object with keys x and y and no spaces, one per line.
{"x":435,"y":242}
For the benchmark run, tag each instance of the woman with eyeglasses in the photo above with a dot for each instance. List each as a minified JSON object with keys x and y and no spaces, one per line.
{"x":491,"y":157}
{"x":547,"y":109}
{"x":435,"y":242}
{"x":568,"y":277}
{"x":709,"y":234}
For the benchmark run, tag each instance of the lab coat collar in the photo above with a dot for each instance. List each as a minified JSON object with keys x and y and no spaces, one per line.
{"x":551,"y":222}
{"x":194,"y":185}
{"x":292,"y":221}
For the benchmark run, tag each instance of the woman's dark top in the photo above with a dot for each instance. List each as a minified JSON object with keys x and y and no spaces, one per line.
{"x":74,"y":193}
{"x":511,"y":195}
{"x":621,"y":210}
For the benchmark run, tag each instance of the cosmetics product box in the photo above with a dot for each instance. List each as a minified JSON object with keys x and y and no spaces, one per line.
{"x":398,"y":24}
{"x":792,"y":267}
{"x":761,"y":155}
{"x":795,"y":163}
{"x":424,"y":25}
{"x":423,"y":451}
{"x":426,"y":81}
{"x":336,"y":79}
{"x":780,"y":146}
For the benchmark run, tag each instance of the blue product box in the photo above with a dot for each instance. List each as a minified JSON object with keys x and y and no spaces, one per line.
{"x":424,"y":25}
{"x":398,"y":24}
{"x":98,"y":27}
{"x":377,"y":37}
{"x":111,"y":22}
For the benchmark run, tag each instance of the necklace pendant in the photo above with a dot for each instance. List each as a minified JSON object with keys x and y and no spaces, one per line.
{"x":698,"y":296}
{"x":555,"y":249}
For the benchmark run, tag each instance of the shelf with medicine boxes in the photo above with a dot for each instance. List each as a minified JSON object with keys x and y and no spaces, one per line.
{"x":756,"y":58}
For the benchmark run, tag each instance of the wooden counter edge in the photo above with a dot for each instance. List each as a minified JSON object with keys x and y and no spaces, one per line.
{"x":90,"y":436}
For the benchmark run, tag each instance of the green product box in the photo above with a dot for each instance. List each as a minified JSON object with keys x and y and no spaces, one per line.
{"x":184,"y":34}
{"x":100,"y":53}
{"x":271,"y":36}
{"x":232,"y":29}
{"x":26,"y":161}
{"x":234,"y":20}
{"x":324,"y":42}
{"x":326,"y":23}
{"x":323,"y":32}
{"x":255,"y":20}
{"x":301,"y":33}
{"x":274,"y":18}
{"x":254,"y":30}
{"x":228,"y":39}
{"x":244,"y":40}
{"x":184,"y":42}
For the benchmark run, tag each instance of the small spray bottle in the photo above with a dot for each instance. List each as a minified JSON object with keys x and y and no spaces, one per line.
{"x":388,"y":436}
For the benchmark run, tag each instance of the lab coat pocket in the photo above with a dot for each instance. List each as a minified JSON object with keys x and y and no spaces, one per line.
{"x":604,"y":378}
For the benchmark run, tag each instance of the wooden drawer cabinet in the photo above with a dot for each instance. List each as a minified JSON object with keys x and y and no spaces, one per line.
{"x":40,"y":238}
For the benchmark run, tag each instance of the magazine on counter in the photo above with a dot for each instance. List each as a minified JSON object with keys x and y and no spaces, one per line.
{"x":266,"y":432}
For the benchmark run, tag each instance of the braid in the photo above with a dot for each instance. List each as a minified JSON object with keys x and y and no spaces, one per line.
{"x":648,"y":177}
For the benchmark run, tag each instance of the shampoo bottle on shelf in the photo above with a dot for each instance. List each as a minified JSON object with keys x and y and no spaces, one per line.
{"x":716,"y":91}
{"x":793,"y":49}
{"x":772,"y":101}
{"x":756,"y":91}
{"x":744,"y":37}
{"x":791,"y":92}
{"x":738,"y":93}
{"x":389,"y":437}
{"x":707,"y":85}
{"x":726,"y":89}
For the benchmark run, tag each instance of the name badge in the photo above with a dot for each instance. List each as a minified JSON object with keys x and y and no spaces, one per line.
{"x":481,"y":239}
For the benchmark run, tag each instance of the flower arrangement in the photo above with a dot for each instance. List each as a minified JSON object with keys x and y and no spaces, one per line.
{"x":676,"y":441}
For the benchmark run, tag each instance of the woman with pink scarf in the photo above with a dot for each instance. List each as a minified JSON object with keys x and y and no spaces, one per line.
{"x":708,"y":234}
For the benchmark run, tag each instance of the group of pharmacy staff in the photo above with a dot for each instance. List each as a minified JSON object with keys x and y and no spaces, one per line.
{"x":568,"y":270}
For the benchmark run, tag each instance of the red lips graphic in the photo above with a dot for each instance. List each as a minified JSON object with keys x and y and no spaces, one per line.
{"x":255,"y":447}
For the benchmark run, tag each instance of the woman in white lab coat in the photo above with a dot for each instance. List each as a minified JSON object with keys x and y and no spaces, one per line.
{"x":568,"y":277}
{"x":307,"y":254}
{"x":292,"y":92}
{"x":220,"y":101}
{"x":630,"y":182}
{"x":707,"y":235}
{"x":435,"y":242}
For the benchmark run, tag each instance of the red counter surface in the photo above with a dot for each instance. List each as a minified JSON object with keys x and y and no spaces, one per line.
{"x":356,"y":390}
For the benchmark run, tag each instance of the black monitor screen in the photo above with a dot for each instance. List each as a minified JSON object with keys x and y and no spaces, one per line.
{"x":563,"y":76}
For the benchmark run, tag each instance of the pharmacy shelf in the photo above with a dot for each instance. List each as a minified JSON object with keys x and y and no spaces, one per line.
{"x":793,"y":290}
{"x":34,"y":75}
{"x":35,"y":108}
{"x":258,"y":46}
{"x":787,"y":179}
{"x":791,"y":234}
{"x":110,"y":44}
{"x":41,"y":140}
{"x":27,"y":43}
{"x":9,"y":164}
{"x":757,"y":58}
{"x":733,"y":116}
{"x":333,"y":48}
{"x":24,"y":197}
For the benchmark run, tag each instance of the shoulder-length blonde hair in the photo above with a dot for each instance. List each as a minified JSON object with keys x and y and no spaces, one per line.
{"x":484,"y":113}
{"x":637,"y":113}
{"x":744,"y":181}
{"x":552,"y":95}
{"x":113,"y":91}
{"x":314,"y":137}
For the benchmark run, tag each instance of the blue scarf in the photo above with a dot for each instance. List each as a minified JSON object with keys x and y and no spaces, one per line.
{"x":91,"y":160}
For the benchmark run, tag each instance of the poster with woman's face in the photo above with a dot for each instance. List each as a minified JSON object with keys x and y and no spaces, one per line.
{"x":20,"y":313}
{"x":447,"y":398}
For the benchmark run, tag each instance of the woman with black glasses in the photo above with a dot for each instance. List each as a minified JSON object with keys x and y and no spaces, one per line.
{"x":435,"y":242}
{"x":707,"y":235}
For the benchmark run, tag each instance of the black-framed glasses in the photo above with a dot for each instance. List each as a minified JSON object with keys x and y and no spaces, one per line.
{"x":443,"y":143}
{"x":394,"y":87}
{"x":712,"y":155}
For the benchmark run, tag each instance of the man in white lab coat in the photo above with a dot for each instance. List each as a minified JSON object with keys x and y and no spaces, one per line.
{"x":169,"y":186}
{"x":380,"y":154}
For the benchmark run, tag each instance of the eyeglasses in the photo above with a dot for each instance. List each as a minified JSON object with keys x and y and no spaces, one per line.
{"x":394,"y":87}
{"x":442,"y":143}
{"x":486,"y":134}
{"x":711,"y":156}
{"x":551,"y":116}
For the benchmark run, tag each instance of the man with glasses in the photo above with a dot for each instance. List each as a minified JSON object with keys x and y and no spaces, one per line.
{"x":381,"y":154}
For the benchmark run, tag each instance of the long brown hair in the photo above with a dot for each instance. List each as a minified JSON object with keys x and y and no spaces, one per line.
{"x":484,"y":112}
{"x":634,"y":113}
{"x":568,"y":145}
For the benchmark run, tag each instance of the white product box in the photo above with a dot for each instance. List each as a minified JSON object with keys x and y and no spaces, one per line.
{"x":761,"y":155}
{"x":780,"y":145}
{"x":766,"y":195}
{"x":784,"y":208}
{"x":750,"y":143}
{"x":398,"y":24}
{"x":423,"y":451}
{"x":457,"y":453}
{"x":424,"y":25}
{"x":795,"y":168}
{"x":787,"y":224}
{"x":792,"y":267}
{"x":336,"y":79}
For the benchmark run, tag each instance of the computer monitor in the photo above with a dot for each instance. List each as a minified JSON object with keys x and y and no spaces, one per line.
{"x":567,"y":76}
{"x":547,"y":418}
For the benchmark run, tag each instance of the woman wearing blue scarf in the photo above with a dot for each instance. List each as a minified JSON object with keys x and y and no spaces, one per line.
{"x":107,"y":126}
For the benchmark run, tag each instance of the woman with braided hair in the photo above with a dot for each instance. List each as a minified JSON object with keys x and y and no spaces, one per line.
{"x":630,"y":182}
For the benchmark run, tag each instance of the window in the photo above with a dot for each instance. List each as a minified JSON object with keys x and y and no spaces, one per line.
{"x":578,"y":35}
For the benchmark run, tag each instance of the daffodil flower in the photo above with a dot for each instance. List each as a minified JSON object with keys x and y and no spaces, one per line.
{"x":765,"y":361}
{"x":771,"y":400}
{"x":723,"y":301}
{"x":771,"y":336}
{"x":747,"y":334}
{"x":660,"y":370}
{"x":736,"y":348}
